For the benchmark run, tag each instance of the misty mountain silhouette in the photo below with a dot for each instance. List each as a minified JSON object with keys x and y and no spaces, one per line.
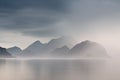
{"x":88,"y":49}
{"x":15,"y":51}
{"x":58,"y":48}
{"x":34,"y":49}
{"x":38,"y":49}
{"x":56,"y":43}
{"x":61,"y":52}
{"x":4,"y":53}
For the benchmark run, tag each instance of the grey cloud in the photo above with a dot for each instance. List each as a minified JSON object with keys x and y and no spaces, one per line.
{"x":38,"y":17}
{"x":45,"y":32}
{"x":28,"y":14}
{"x":24,"y":14}
{"x":32,"y":20}
{"x":87,"y":11}
{"x":41,"y":34}
{"x":44,"y":4}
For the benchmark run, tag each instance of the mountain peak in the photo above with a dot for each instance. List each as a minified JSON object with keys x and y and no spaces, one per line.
{"x":88,"y":42}
{"x":37,"y":42}
{"x":34,"y":49}
{"x":89,"y":48}
{"x":65,"y":47}
{"x":59,"y":52}
{"x":14,"y":50}
{"x":14,"y":47}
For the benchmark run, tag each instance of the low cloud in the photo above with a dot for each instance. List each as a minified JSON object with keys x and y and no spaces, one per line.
{"x":32,"y":17}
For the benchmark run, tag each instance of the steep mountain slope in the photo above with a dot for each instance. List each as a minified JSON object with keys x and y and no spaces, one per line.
{"x":4,"y":53}
{"x":15,"y":51}
{"x":34,"y":49}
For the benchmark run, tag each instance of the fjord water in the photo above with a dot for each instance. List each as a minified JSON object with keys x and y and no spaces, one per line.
{"x":37,"y":69}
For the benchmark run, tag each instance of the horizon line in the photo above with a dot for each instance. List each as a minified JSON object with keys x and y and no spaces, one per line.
{"x":54,"y":58}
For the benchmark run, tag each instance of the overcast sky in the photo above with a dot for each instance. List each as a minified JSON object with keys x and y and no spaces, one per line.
{"x":24,"y":21}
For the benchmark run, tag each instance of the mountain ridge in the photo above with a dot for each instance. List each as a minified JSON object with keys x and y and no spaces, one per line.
{"x":4,"y":53}
{"x":39,"y":49}
{"x":58,"y":48}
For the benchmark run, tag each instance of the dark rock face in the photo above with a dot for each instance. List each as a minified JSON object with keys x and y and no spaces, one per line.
{"x":88,"y":49}
{"x":4,"y":53}
{"x":15,"y":51}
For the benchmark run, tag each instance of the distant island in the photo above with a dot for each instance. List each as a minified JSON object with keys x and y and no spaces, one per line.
{"x":57,"y":48}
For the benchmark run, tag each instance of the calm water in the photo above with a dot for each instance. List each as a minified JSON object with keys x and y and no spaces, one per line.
{"x":54,"y":70}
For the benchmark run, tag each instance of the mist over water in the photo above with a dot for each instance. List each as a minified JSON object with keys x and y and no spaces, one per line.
{"x":59,"y":39}
{"x":38,"y":69}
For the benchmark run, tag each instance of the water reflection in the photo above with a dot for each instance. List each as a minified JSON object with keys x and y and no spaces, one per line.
{"x":52,"y":69}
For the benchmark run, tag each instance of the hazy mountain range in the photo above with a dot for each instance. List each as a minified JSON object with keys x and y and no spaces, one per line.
{"x":57,"y":48}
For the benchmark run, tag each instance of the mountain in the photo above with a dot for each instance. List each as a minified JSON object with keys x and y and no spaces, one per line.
{"x":88,"y":49}
{"x":56,"y":43}
{"x":56,"y":48}
{"x":38,"y":49}
{"x":61,"y":52}
{"x":15,"y":51}
{"x":34,"y":49}
{"x":4,"y":53}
